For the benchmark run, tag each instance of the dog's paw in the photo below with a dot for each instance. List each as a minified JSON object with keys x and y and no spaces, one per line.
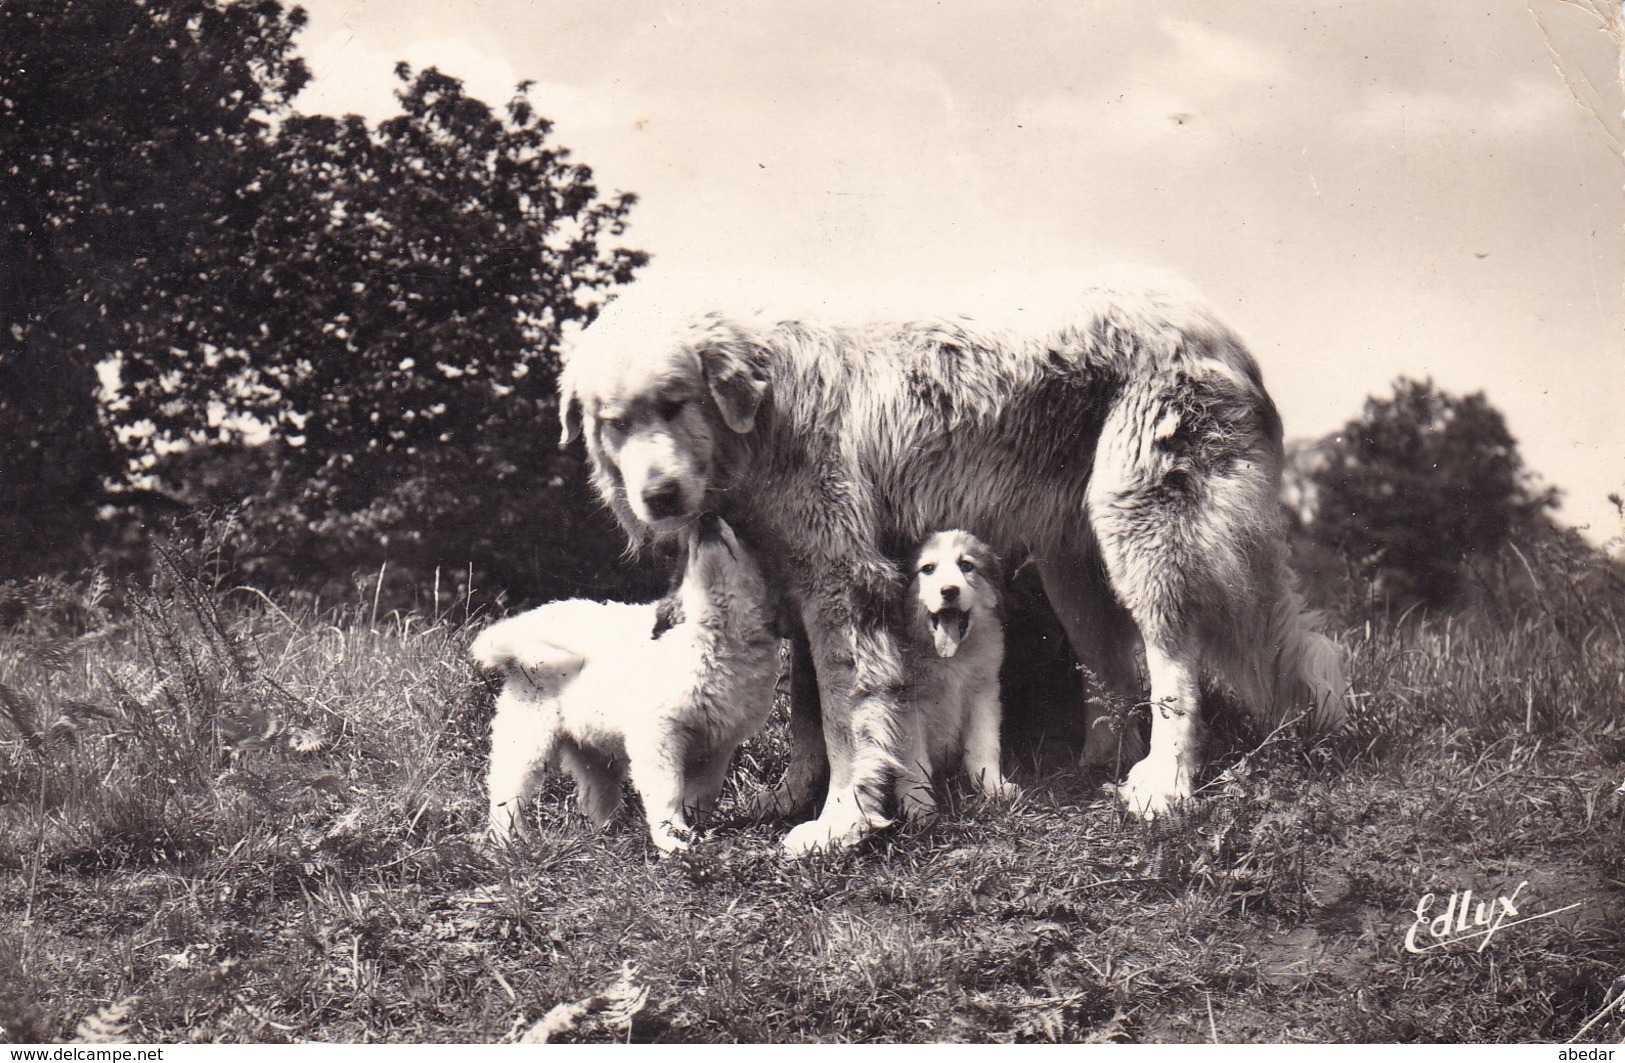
{"x":1155,"y":786}
{"x":670,"y":837}
{"x":918,"y":801}
{"x":1003,"y":791}
{"x":766,"y":804}
{"x":920,"y":812}
{"x":501,"y":828}
{"x":1105,"y":747}
{"x":819,"y":834}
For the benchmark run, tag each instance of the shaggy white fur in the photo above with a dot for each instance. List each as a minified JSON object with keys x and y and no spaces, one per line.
{"x":1131,"y":450}
{"x":955,"y":647}
{"x":591,"y":687}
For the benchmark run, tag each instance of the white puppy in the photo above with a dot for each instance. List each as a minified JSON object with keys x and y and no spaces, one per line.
{"x":956,"y":645}
{"x":589,"y":685}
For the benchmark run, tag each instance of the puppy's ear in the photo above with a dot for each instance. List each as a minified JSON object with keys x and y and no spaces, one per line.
{"x":993,"y":572}
{"x":993,"y":566}
{"x":735,"y":366}
{"x":668,"y":614}
{"x":669,"y":610}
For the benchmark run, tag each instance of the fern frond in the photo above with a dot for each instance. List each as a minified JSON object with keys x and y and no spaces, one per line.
{"x":106,"y":1025}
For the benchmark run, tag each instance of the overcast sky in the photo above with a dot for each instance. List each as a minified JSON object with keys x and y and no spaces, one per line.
{"x":1365,"y":189}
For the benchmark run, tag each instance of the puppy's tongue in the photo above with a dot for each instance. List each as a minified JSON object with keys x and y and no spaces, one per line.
{"x":948,"y":629}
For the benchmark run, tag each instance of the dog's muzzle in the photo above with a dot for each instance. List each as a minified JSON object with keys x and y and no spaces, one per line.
{"x":664,"y":501}
{"x":949,"y":626}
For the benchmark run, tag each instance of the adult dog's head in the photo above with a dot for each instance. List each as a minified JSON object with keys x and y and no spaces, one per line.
{"x":955,"y":588}
{"x":658,"y":403}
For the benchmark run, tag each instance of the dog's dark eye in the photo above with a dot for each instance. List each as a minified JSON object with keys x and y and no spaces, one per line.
{"x":928,"y":568}
{"x":669,"y":409}
{"x":966,"y":565}
{"x":612,"y":424}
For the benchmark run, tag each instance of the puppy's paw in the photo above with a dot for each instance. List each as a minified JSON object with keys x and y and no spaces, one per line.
{"x":991,"y":784}
{"x":1154,"y":786}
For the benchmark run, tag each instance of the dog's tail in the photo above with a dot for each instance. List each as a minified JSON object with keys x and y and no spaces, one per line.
{"x":1283,"y":666}
{"x":525,"y":643}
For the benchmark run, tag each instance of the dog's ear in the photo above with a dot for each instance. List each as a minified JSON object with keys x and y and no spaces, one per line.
{"x":735,"y":366}
{"x":569,"y":409}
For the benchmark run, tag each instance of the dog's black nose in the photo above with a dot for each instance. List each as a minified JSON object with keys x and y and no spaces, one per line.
{"x":664,"y":500}
{"x":950,"y":594}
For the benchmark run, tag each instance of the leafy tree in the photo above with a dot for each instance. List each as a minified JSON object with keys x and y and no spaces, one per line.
{"x":1418,"y":484}
{"x":402,"y":299}
{"x":383,"y":304}
{"x":128,"y":134}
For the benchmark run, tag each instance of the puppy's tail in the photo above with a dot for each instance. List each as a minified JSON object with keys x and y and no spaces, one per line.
{"x":523,"y":643}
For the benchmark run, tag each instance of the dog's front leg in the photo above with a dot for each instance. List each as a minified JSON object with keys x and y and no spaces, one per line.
{"x":655,"y":764}
{"x":914,"y":789}
{"x":983,"y":752}
{"x":860,"y":685}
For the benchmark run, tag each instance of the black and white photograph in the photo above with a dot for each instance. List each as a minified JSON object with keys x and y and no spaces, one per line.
{"x":812,"y":522}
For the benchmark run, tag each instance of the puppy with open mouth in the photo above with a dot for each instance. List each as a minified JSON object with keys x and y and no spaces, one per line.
{"x":956,"y":646}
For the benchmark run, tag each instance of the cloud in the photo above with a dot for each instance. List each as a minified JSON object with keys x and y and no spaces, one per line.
{"x":1205,"y":54}
{"x":1394,"y":186}
{"x":1522,"y":107}
{"x":348,"y":76}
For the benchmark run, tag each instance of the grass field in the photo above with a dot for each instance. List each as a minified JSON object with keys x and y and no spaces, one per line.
{"x":223,"y":818}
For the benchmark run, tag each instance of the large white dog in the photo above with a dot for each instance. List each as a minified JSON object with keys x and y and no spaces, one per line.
{"x":589,"y":685}
{"x":1132,"y":451}
{"x":954,"y":651}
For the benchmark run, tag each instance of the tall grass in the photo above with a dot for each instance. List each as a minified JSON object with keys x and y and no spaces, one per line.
{"x":228,"y":817}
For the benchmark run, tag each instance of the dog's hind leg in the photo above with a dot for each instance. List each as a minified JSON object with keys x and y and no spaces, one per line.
{"x":524,"y":737}
{"x":1168,"y":772}
{"x":1103,"y":636}
{"x":1182,"y":502}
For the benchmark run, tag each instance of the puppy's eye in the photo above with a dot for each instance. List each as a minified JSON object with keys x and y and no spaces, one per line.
{"x":612,"y":425}
{"x":671,"y":408}
{"x":966,"y":565}
{"x":928,"y":568}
